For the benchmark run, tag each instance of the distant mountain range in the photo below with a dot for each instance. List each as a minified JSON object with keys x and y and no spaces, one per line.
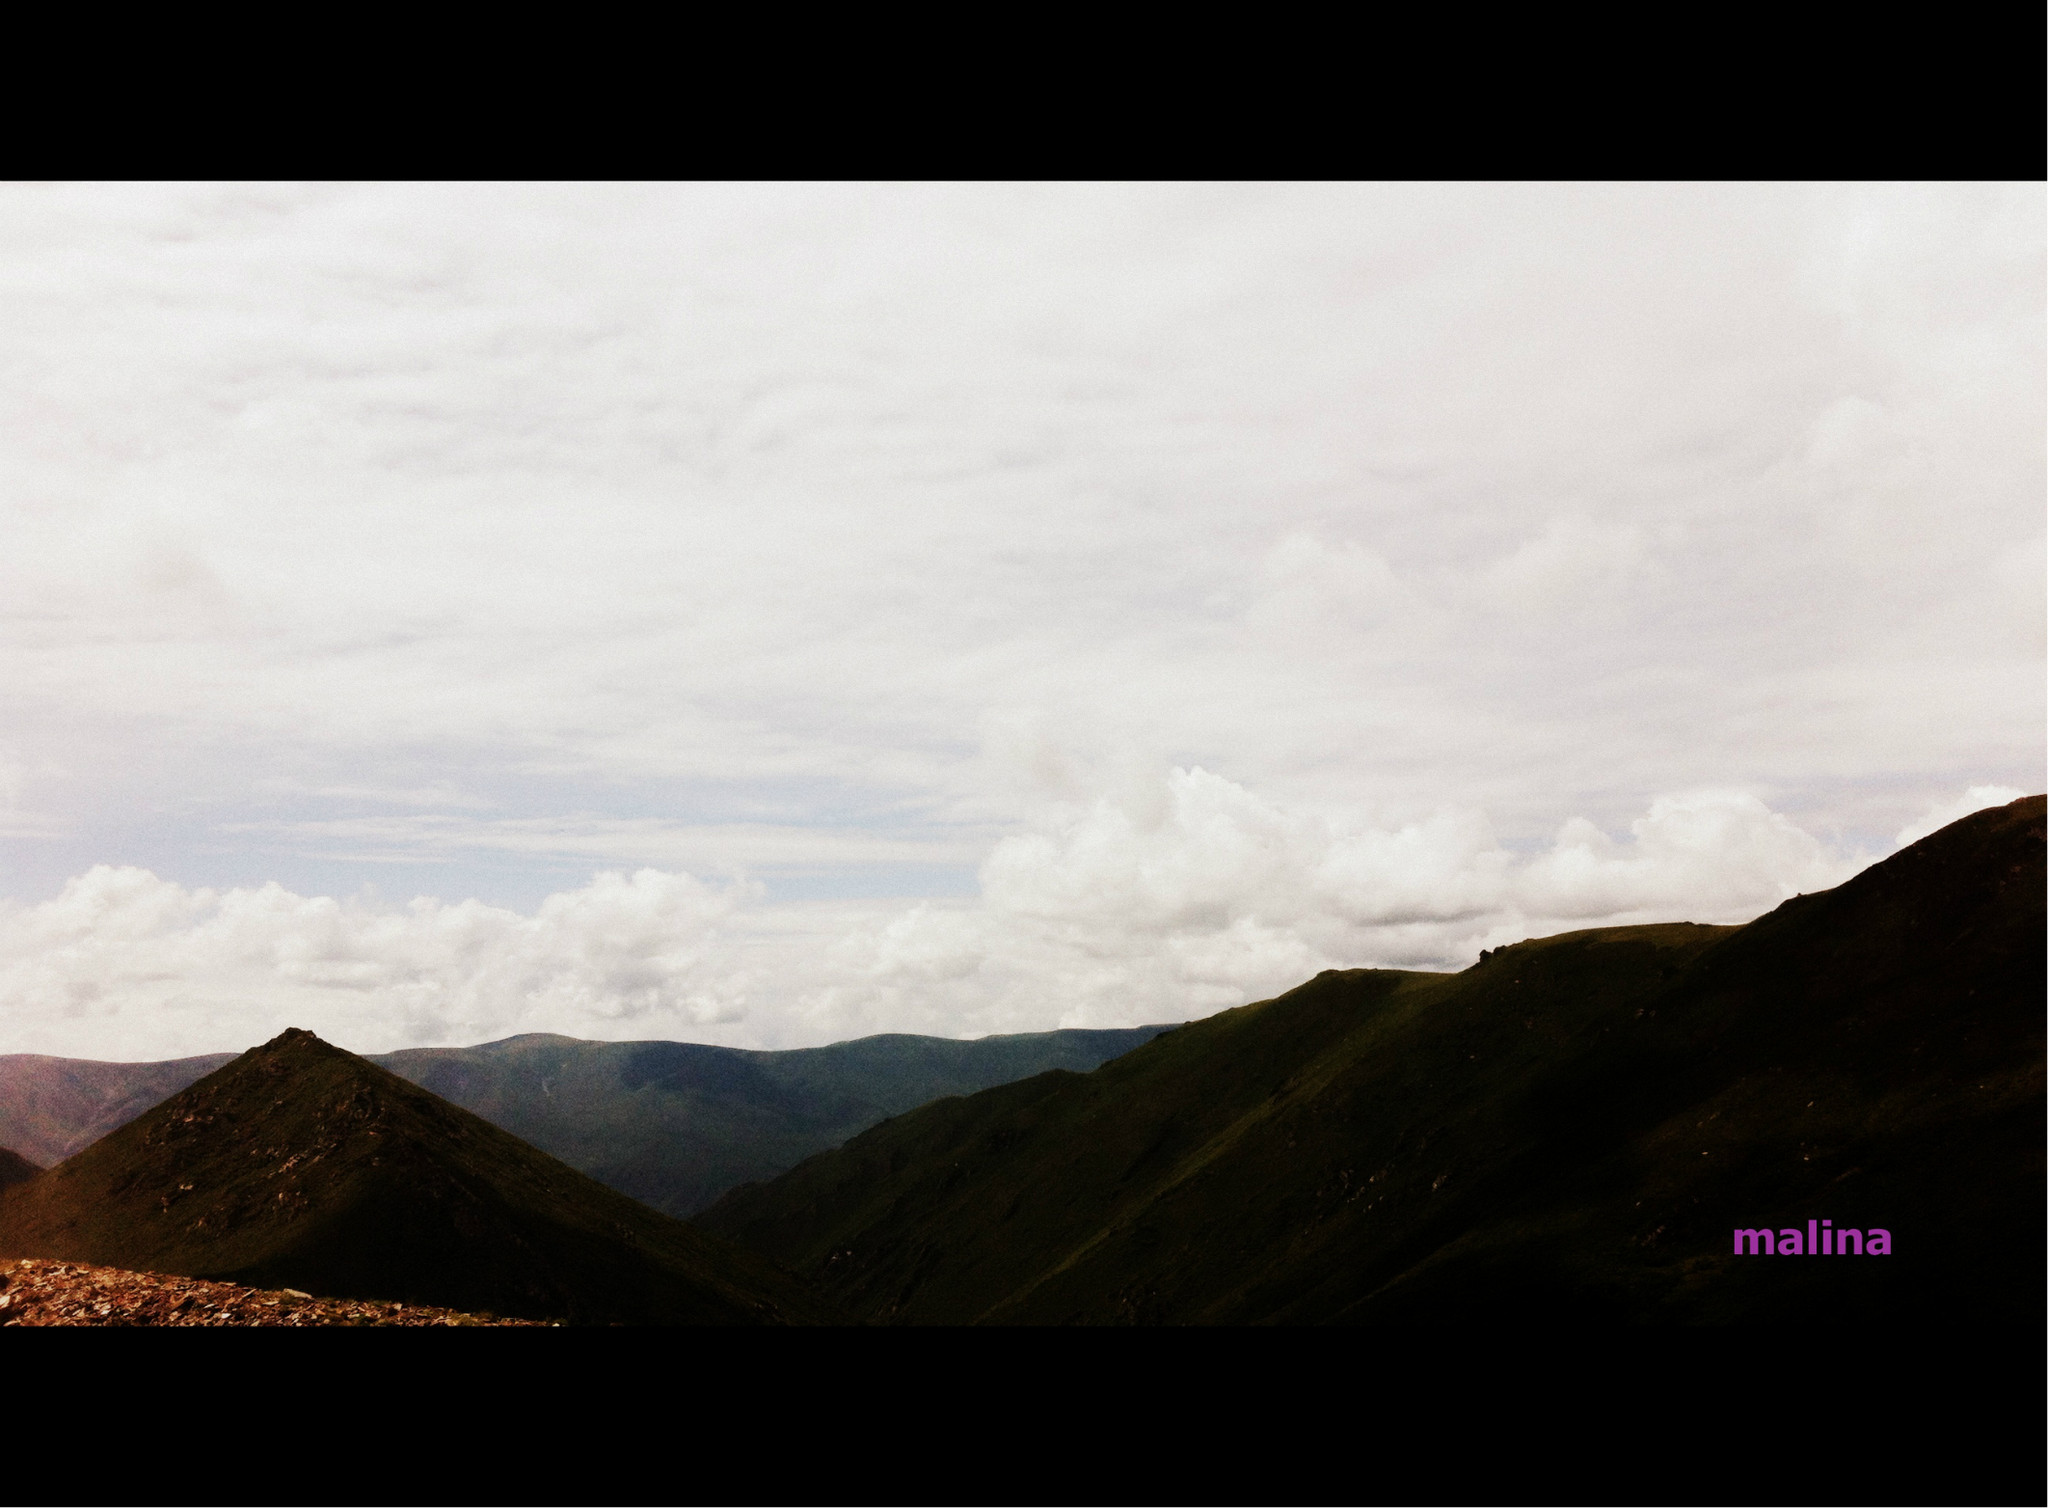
{"x":674,"y":1124}
{"x":1649,"y":1125}
{"x":300,"y":1166}
{"x":1572,"y":1130}
{"x":52,"y":1107}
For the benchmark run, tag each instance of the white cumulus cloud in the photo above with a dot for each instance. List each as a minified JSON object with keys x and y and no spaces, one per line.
{"x":1193,"y":893}
{"x":1165,"y":900}
{"x":1941,"y":813}
{"x":123,"y":957}
{"x":1715,"y":855}
{"x":867,"y":541}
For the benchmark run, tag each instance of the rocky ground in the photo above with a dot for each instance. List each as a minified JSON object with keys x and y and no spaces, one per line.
{"x":39,"y":1292}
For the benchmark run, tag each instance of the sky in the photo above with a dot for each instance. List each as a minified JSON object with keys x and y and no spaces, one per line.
{"x":773,"y":614}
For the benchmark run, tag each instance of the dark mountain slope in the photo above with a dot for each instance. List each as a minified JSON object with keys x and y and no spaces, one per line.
{"x":970,"y":1207}
{"x":300,"y":1165}
{"x":1871,"y":1055}
{"x":676,"y":1124}
{"x":1065,"y":1150}
{"x":52,"y":1107}
{"x":1570,"y":1129}
{"x":14,"y":1168}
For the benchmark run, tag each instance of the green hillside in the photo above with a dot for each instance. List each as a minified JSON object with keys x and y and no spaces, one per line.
{"x":300,"y":1165}
{"x":1568,"y":1131}
{"x":674,"y":1124}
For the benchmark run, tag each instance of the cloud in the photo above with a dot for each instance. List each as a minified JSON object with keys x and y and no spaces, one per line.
{"x":1312,"y":596}
{"x":1195,"y":894}
{"x":1165,"y":900}
{"x":728,"y":847}
{"x":2020,"y":596}
{"x":1941,"y":813}
{"x":124,"y":957}
{"x":541,"y":487}
{"x":1716,"y":855}
{"x":1573,"y":560}
{"x":848,"y":531}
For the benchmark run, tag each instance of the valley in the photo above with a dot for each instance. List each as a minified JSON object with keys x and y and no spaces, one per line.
{"x":1578,"y":1129}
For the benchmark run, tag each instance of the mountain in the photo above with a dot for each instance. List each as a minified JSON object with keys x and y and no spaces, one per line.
{"x":52,"y":1107}
{"x":14,"y":1168}
{"x":674,"y":1124}
{"x":1569,"y":1131}
{"x":298,"y":1165}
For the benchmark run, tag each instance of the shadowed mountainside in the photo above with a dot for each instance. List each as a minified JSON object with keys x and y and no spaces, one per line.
{"x":14,"y":1168}
{"x":1568,"y":1130}
{"x":674,"y":1124}
{"x":300,"y":1165}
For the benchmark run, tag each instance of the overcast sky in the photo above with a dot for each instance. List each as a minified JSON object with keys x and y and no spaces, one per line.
{"x":773,"y":614}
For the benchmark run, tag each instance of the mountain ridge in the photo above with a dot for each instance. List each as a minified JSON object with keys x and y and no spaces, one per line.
{"x":675,"y":1124}
{"x":51,"y":1107}
{"x":671,"y":1124}
{"x":301,"y":1165}
{"x":1568,"y":1129}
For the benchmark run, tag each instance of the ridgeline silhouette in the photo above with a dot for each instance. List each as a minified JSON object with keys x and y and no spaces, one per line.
{"x":1567,"y":1131}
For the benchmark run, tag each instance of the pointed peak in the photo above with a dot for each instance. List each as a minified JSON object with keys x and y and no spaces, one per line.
{"x":297,"y":1040}
{"x":304,"y":1165}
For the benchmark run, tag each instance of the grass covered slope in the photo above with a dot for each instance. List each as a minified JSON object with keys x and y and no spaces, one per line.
{"x":300,"y":1165}
{"x":52,"y":1107}
{"x":676,"y":1124}
{"x":1159,"y":1185}
{"x":1569,"y":1130}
